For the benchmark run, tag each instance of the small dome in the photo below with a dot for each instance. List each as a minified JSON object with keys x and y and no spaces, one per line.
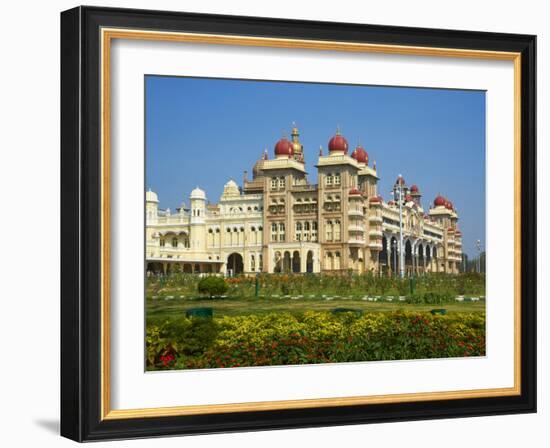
{"x":151,"y":196}
{"x":338,"y":143}
{"x":354,"y":191}
{"x":375,"y":200}
{"x":284,"y":148}
{"x":231,"y":189}
{"x":440,"y":201}
{"x":414,"y":189}
{"x":400,"y":180}
{"x":450,"y":229}
{"x":197,"y":193}
{"x":408,"y":198}
{"x":391,"y":202}
{"x":449,"y":205}
{"x":360,"y":155}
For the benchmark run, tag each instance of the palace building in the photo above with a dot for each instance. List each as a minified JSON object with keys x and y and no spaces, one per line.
{"x":279,"y":222}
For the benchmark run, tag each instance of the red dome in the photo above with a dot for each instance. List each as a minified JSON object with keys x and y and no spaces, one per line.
{"x":375,"y":200}
{"x":449,"y":205}
{"x":400,"y":180}
{"x":439,"y":201}
{"x":284,"y":148}
{"x":354,"y":191}
{"x":391,"y":202}
{"x":338,"y":143}
{"x":450,"y":229}
{"x":360,"y":155}
{"x":414,"y":188}
{"x":408,"y":198}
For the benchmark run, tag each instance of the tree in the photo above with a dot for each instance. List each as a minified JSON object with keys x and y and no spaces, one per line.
{"x":213,"y":286}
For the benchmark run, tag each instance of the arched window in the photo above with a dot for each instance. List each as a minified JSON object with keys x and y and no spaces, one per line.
{"x":298,"y":231}
{"x":329,"y":235}
{"x":174,"y":242}
{"x":337,"y":260}
{"x":274,"y":183}
{"x":274,"y":231}
{"x":281,"y":231}
{"x":328,"y":179}
{"x":337,"y":230}
{"x":337,"y":179}
{"x":252,"y":263}
{"x":162,"y":242}
{"x":328,"y":260}
{"x":281,"y":182}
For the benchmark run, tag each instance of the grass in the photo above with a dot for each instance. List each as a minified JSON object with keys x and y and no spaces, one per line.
{"x":162,"y":309}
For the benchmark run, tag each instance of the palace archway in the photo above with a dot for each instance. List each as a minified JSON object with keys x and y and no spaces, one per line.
{"x":296,"y":262}
{"x":235,"y":263}
{"x":309,"y":262}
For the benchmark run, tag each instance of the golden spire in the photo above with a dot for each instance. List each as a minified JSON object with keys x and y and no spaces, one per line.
{"x":297,"y":147}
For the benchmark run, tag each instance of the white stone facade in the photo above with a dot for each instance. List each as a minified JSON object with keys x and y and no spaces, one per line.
{"x":279,"y":222}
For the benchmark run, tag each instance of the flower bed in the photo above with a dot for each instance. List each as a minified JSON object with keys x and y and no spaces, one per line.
{"x":312,"y":337}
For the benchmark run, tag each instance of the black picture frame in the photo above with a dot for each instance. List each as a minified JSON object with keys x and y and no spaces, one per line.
{"x":81,"y":224}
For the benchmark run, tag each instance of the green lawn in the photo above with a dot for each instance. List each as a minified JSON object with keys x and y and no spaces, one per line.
{"x":162,"y":308}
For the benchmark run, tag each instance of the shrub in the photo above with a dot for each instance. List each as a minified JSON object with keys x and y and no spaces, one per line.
{"x":212,"y":286}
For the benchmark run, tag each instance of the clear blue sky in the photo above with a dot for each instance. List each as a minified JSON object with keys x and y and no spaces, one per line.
{"x":435,"y":138}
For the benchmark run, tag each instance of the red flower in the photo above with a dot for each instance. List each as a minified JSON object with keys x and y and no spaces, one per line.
{"x":167,"y":359}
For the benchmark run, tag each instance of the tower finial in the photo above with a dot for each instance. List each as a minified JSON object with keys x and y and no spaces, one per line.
{"x":337,"y":129}
{"x":320,"y":150}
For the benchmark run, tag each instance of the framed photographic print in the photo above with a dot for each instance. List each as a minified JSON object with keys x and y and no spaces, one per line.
{"x":276,"y":224}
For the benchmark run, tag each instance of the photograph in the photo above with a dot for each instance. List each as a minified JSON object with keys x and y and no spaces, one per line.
{"x":294,"y":223}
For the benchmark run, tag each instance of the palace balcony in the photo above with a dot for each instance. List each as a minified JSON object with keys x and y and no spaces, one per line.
{"x":373,"y":233}
{"x":355,"y":241}
{"x":356,"y":228}
{"x":375,"y":219}
{"x":375,"y":245}
{"x":355,"y":212}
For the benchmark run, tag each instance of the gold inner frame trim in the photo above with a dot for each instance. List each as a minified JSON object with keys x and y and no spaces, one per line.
{"x":107,"y":35}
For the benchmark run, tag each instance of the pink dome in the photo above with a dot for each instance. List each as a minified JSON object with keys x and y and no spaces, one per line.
{"x":338,"y":143}
{"x":360,"y":155}
{"x":439,"y":201}
{"x":284,"y":148}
